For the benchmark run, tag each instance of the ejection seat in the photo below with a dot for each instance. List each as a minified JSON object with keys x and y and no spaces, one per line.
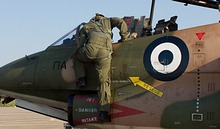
{"x":166,"y":26}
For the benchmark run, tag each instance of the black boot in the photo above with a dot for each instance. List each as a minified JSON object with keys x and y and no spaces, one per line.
{"x":103,"y":116}
{"x":81,"y":83}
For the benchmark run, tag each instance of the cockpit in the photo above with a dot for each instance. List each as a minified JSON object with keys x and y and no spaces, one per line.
{"x":140,"y":26}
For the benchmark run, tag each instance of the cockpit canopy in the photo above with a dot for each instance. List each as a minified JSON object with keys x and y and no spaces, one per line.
{"x":71,"y":38}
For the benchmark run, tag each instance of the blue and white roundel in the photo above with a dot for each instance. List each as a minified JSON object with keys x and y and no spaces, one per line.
{"x":166,"y":58}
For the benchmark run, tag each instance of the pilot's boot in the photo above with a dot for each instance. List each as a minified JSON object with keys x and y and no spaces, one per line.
{"x":81,"y":83}
{"x":104,"y":116}
{"x":105,"y":96}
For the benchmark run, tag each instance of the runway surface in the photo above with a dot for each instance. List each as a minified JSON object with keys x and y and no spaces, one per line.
{"x":17,"y":118}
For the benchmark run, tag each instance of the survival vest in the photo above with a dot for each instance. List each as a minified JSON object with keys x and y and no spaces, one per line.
{"x":99,"y":36}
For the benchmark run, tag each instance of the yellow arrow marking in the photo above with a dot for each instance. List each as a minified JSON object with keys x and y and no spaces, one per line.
{"x":146,"y":86}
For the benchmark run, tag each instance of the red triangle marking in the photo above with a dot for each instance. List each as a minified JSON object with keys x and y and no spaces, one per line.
{"x":200,"y":35}
{"x":125,"y":111}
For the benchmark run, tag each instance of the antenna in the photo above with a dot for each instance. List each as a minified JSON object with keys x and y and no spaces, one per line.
{"x":152,"y":12}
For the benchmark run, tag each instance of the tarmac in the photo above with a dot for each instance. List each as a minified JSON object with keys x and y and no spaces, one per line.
{"x":17,"y":118}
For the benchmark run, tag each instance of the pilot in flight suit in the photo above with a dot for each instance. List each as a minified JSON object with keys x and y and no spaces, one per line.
{"x":96,"y":46}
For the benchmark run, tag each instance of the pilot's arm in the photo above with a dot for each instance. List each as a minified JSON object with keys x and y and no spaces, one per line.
{"x":121,"y":25}
{"x":84,"y":32}
{"x":81,"y":38}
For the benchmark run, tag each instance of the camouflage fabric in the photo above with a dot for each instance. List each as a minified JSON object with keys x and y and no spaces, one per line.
{"x":110,"y":23}
{"x":95,"y":46}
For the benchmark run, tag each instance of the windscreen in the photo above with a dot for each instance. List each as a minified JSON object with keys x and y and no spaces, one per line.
{"x":71,"y":38}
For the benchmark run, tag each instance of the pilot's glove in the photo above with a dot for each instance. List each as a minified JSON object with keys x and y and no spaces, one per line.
{"x":134,"y":35}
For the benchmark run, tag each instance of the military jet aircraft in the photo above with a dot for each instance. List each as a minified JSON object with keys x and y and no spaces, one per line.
{"x":166,"y":78}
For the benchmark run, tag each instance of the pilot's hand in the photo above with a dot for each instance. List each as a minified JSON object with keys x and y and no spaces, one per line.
{"x":134,"y":35}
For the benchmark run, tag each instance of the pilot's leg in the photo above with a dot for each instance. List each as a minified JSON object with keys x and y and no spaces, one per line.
{"x":79,"y":68}
{"x":105,"y":97}
{"x":103,"y":68}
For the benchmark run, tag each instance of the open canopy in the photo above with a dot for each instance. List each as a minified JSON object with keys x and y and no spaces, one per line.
{"x":214,"y":4}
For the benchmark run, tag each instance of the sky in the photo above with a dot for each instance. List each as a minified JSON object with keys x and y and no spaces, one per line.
{"x":29,"y":26}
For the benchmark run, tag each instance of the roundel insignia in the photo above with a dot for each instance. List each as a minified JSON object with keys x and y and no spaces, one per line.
{"x":166,"y":58}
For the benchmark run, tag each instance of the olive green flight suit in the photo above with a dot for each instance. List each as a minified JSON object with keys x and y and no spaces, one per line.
{"x":96,"y":46}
